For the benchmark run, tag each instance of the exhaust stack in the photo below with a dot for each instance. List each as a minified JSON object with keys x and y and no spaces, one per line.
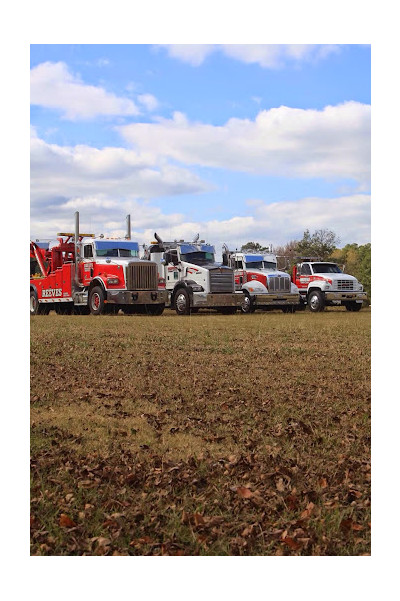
{"x":128,"y":227}
{"x":76,"y":246}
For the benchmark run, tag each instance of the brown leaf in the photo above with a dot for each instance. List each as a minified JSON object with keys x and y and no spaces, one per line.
{"x":280,"y":485}
{"x":290,"y":542}
{"x":308,"y":511}
{"x":66,"y":522}
{"x":243,"y":492}
{"x":292,"y":501}
{"x":323,"y":482}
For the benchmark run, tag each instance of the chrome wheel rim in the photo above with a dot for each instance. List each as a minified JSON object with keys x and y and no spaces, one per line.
{"x":181,"y":302}
{"x":246,"y":304}
{"x":314,"y":302}
{"x":32,"y":304}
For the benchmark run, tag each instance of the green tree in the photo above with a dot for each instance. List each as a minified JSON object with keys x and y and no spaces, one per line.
{"x":320,"y":244}
{"x":356,"y":260}
{"x":254,"y":247}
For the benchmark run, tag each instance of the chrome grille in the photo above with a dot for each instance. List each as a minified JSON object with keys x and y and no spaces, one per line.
{"x":141,"y":276}
{"x":279,"y":283}
{"x":345,"y":284}
{"x":221,"y":280}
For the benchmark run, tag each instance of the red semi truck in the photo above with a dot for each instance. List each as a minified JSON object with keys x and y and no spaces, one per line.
{"x":88,"y":274}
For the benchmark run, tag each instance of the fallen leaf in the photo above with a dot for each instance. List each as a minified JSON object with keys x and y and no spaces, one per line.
{"x":66,"y":522}
{"x":243,"y":492}
{"x":290,"y":542}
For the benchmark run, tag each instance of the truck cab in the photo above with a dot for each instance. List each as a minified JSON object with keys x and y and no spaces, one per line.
{"x":191,"y":276}
{"x":323,"y":283}
{"x":260,"y":282}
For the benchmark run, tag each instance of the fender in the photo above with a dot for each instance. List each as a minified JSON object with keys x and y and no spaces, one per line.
{"x":254,"y":287}
{"x":97,"y":280}
{"x":186,"y":284}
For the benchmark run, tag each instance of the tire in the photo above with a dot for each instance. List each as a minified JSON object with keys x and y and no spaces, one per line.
{"x":353,"y":306}
{"x":34,"y":303}
{"x":96,"y":300}
{"x":316,"y":301}
{"x":182,"y":302}
{"x":154,"y":309}
{"x":247,"y":305}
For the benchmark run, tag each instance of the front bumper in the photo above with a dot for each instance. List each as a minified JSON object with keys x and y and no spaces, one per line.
{"x":359,"y":297}
{"x":202,"y":299}
{"x":279,"y":300}
{"x":137,"y":297}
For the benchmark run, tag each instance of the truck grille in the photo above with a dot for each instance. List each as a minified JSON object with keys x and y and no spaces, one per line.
{"x":345,"y":285}
{"x":141,"y":276}
{"x":279,"y":283}
{"x":221,"y":280}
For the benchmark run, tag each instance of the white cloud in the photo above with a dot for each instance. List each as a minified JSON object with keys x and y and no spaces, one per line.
{"x":54,"y":86}
{"x":149,"y":101}
{"x":194,"y":54}
{"x":66,"y":178}
{"x":269,"y":56}
{"x":333,"y":143}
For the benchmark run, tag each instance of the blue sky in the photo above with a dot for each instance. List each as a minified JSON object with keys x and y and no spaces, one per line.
{"x":236,"y":142}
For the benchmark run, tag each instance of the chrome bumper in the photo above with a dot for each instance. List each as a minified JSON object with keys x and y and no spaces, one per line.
{"x":138,"y":297}
{"x":359,"y":297}
{"x":202,"y":299}
{"x":276,"y":299}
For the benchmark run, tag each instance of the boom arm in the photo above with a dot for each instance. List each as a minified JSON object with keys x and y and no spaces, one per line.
{"x":35,"y":250}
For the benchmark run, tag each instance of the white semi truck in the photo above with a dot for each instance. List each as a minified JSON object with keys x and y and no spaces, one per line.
{"x":192,"y":278}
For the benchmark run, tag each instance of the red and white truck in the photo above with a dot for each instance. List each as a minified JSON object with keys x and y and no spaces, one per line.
{"x":84,"y":273}
{"x":260,"y":283}
{"x":193,"y":280}
{"x":323,"y":283}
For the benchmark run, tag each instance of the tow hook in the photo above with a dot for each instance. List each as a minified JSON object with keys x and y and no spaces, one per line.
{"x":154,"y":296}
{"x":135,"y":296}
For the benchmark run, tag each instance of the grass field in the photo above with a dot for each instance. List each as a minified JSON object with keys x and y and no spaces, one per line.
{"x":201,"y":435}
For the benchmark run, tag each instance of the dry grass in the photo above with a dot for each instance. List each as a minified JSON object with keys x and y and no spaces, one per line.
{"x":211,"y":435}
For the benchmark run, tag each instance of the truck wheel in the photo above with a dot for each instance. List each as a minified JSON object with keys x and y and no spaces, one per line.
{"x":154,"y":309}
{"x":316,"y":301}
{"x":353,"y":306}
{"x":247,"y":305}
{"x":96,"y":300}
{"x":182,"y":302}
{"x":33,"y":303}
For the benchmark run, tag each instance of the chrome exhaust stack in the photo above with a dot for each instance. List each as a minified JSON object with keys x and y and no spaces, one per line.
{"x":76,"y":246}
{"x":128,"y":227}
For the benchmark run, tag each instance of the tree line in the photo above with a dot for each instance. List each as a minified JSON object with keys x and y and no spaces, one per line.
{"x":323,"y":245}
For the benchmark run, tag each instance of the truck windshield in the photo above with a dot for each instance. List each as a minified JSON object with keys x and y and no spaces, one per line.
{"x":116,"y":248}
{"x":198,"y":257}
{"x":261,"y":265}
{"x":326,"y":268}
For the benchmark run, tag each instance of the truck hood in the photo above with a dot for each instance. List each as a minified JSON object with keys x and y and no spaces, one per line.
{"x":336,"y":276}
{"x":204,"y":268}
{"x":268,"y":272}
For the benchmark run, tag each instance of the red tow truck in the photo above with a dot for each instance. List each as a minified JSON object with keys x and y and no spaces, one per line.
{"x":88,"y":274}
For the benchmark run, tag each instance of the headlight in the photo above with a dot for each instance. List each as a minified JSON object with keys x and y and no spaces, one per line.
{"x":360,"y":287}
{"x":197,"y":288}
{"x":112,"y":281}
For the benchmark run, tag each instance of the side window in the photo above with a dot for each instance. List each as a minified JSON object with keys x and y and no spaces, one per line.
{"x":88,"y":251}
{"x":305,"y":269}
{"x":239,"y":264}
